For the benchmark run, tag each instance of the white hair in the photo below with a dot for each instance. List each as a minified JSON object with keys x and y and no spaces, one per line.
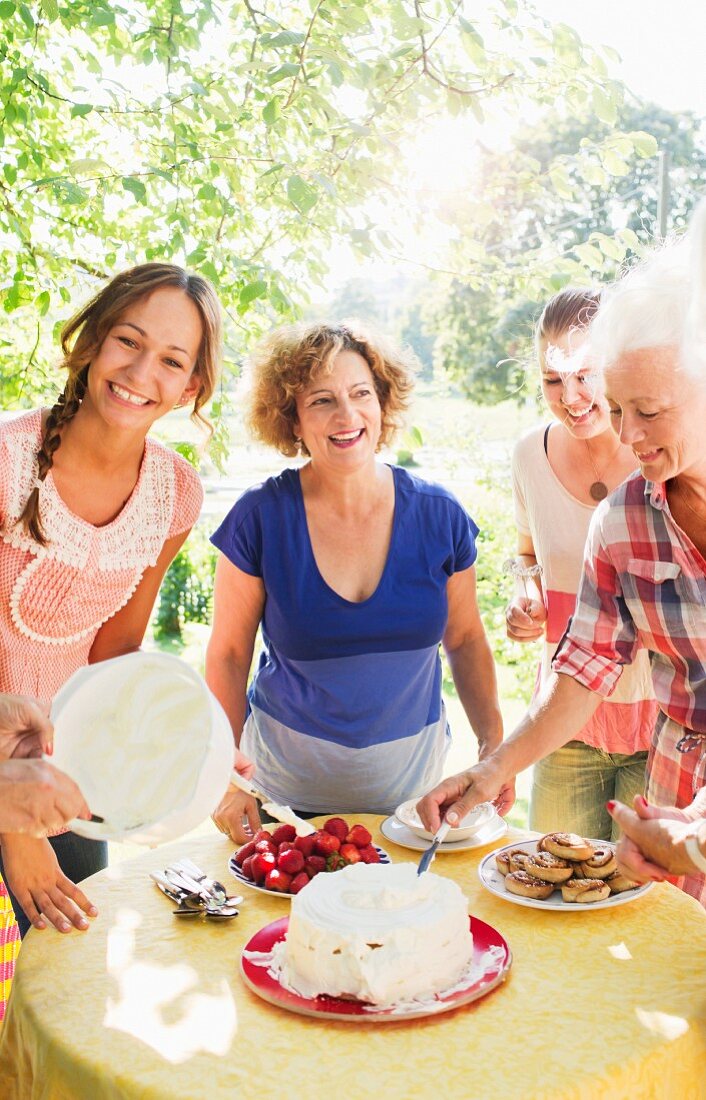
{"x":659,"y":303}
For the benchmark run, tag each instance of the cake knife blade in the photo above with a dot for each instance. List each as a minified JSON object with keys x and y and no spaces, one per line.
{"x":439,"y":837}
{"x":281,"y":813}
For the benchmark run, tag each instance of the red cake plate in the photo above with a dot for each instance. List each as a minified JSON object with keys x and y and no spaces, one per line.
{"x":491,"y":962}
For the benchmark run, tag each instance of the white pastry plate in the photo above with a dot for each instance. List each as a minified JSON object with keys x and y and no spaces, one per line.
{"x":394,"y":830}
{"x":495,"y":882}
{"x":237,"y":873}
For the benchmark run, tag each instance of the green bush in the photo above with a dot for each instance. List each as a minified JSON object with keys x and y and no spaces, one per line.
{"x":186,"y":595}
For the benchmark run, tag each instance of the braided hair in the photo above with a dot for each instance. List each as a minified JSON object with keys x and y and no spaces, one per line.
{"x":82,"y":337}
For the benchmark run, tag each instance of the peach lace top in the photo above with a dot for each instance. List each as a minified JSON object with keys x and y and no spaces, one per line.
{"x":54,"y":599}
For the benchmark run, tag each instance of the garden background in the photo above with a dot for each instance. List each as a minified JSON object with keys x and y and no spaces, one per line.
{"x":436,"y":167}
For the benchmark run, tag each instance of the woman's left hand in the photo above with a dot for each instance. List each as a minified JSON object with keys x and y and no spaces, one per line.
{"x":653,"y":844}
{"x":25,"y":731}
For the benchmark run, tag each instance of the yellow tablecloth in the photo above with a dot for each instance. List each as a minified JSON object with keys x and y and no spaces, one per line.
{"x":609,"y":1004}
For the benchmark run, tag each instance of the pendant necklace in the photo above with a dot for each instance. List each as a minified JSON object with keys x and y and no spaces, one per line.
{"x":598,"y":490}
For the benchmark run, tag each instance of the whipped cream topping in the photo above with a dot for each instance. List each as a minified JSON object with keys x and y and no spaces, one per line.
{"x":138,"y":753}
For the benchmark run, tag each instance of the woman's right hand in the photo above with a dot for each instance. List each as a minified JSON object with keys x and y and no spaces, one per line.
{"x":234,"y":808}
{"x":525,"y":619}
{"x":36,"y":798}
{"x":455,"y":797}
{"x":45,"y":893}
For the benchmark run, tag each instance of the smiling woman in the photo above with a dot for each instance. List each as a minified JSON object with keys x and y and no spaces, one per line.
{"x":644,"y":574}
{"x":356,"y":571}
{"x":91,"y":514}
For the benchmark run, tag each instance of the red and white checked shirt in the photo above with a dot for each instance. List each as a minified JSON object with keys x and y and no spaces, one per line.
{"x":644,"y":586}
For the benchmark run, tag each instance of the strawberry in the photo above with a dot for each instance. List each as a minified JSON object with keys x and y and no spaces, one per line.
{"x":265,"y":846}
{"x":335,"y":861}
{"x":337,"y":826}
{"x":284,"y":847}
{"x":359,"y":836}
{"x":262,"y":863}
{"x":246,"y":868}
{"x":242,"y":854}
{"x":284,"y":832}
{"x":262,"y":834}
{"x":298,"y":882}
{"x":314,"y":864}
{"x":350,"y":853}
{"x":305,"y":844}
{"x":369,"y":854}
{"x":277,"y":880}
{"x":325,"y":843}
{"x":291,"y":861}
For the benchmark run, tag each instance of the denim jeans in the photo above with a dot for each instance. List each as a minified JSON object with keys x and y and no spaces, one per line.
{"x":571,"y":786}
{"x":78,"y":858}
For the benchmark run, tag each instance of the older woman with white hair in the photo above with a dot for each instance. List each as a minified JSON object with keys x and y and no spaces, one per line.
{"x":644,"y":583}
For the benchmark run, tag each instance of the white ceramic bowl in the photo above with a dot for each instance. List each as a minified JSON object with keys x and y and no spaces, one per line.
{"x":148,"y":744}
{"x":472,"y":823}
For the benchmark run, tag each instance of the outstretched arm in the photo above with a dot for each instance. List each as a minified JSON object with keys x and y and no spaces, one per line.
{"x":555,"y":717}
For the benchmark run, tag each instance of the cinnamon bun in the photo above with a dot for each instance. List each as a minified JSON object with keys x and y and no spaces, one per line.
{"x":548,"y":867}
{"x":585,"y":890}
{"x":519,"y":882}
{"x":566,"y":846}
{"x":619,"y":882}
{"x":601,"y":864}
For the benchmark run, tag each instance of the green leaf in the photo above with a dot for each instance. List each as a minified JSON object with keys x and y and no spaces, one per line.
{"x":26,"y":16}
{"x":614,"y":164}
{"x":135,"y":187}
{"x":7,"y":9}
{"x":282,"y":38}
{"x":604,"y":106}
{"x":589,"y":255}
{"x":103,"y":18}
{"x":43,"y":301}
{"x":282,"y":72}
{"x":645,"y":145}
{"x":416,"y":435}
{"x":9,"y":172}
{"x":300,"y":194}
{"x":560,"y":181}
{"x":80,"y":109}
{"x":69,"y":192}
{"x":50,"y":9}
{"x":270,"y":112}
{"x":86,"y":165}
{"x":252,"y":291}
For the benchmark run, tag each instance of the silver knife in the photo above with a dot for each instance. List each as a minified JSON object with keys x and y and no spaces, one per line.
{"x":439,"y":837}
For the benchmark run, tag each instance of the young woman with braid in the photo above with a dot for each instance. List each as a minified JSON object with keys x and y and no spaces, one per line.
{"x":92,"y":512}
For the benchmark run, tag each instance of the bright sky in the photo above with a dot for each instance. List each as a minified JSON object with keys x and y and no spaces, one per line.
{"x":661,"y":43}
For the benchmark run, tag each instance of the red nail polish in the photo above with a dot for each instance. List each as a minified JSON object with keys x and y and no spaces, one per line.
{"x":610,"y":806}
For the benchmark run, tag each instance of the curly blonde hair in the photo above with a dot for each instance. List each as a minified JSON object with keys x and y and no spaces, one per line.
{"x":287,"y":361}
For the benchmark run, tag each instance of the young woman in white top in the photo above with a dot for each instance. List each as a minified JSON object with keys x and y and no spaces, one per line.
{"x":560,"y":472}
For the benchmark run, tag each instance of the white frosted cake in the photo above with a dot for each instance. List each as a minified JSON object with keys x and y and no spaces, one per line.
{"x":378,"y":933}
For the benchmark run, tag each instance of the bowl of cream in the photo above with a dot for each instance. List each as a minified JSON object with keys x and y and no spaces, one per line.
{"x":148,"y":744}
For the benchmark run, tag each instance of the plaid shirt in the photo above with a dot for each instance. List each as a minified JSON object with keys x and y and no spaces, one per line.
{"x":644,"y":585}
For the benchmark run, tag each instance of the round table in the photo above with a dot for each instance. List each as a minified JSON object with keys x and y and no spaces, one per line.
{"x":608,"y":1003}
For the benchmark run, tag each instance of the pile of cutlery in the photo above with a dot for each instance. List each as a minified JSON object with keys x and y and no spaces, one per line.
{"x":194,"y":892}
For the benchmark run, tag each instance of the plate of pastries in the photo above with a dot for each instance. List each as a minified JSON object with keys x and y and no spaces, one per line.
{"x":561,"y":871}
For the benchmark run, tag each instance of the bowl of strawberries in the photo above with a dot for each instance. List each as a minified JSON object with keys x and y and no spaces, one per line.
{"x":277,"y":861}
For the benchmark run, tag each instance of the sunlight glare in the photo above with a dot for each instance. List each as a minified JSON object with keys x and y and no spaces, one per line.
{"x":661,"y":1023}
{"x":163,"y":1006}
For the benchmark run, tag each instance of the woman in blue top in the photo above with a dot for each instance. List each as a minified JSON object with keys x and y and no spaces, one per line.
{"x":356,"y":571}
